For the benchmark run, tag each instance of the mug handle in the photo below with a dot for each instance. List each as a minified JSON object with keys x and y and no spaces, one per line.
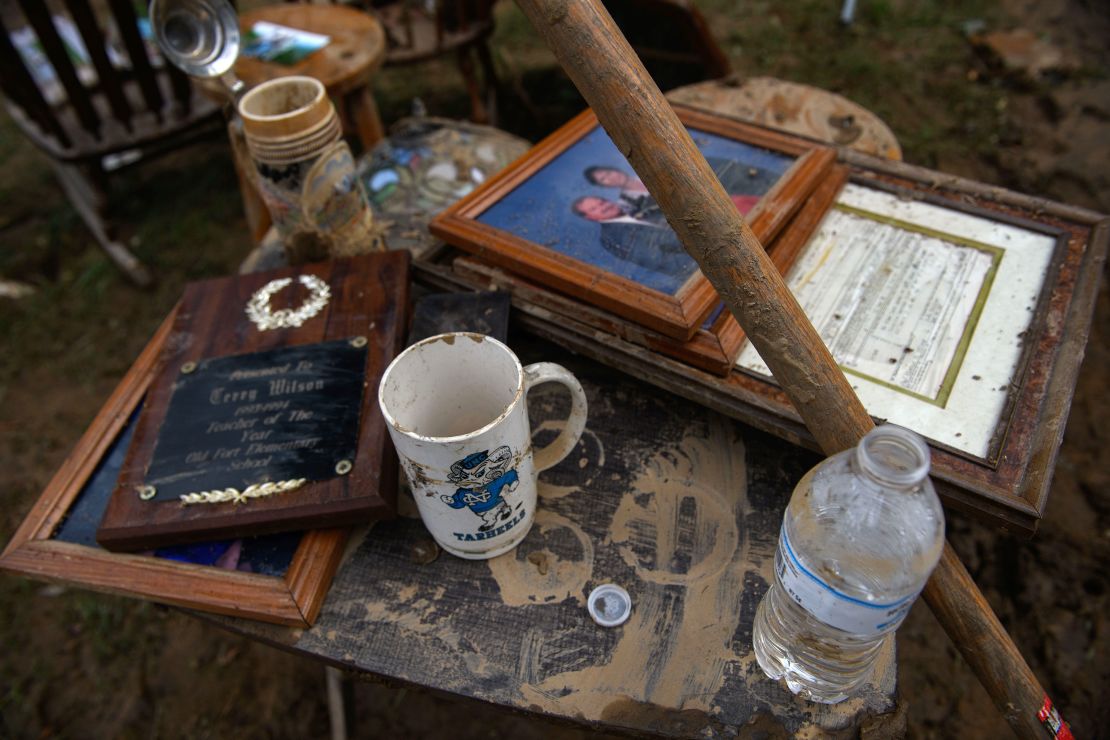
{"x":544,"y":372}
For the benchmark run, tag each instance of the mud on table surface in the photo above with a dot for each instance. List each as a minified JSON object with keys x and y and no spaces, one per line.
{"x":678,"y":505}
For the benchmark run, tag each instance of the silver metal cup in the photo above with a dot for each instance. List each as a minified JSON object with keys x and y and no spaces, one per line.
{"x":199,"y":37}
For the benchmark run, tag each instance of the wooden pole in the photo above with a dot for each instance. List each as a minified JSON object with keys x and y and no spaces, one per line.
{"x":629,"y":105}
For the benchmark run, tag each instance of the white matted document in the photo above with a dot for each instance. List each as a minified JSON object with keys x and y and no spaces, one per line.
{"x":923,"y":307}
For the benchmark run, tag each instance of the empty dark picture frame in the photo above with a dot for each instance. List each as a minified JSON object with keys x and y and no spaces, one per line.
{"x":677,"y":312}
{"x":293,"y":599}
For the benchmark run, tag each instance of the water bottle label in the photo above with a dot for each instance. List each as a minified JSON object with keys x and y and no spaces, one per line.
{"x":829,"y":605}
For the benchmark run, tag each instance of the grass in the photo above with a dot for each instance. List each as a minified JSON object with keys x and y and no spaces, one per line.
{"x":908,"y":62}
{"x":184,"y":220}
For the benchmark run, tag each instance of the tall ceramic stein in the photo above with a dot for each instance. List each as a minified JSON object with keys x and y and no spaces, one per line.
{"x":455,"y":408}
{"x":305,"y":171}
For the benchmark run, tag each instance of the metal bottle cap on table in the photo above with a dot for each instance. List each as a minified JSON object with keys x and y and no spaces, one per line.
{"x":609,"y":605}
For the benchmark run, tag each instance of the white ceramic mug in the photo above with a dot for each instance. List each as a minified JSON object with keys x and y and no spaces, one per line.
{"x":455,"y":407}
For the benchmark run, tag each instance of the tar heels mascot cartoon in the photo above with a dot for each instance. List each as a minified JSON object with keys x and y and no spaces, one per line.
{"x":483,"y":478}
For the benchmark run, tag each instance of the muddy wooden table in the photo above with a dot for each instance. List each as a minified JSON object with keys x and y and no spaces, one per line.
{"x":678,"y":505}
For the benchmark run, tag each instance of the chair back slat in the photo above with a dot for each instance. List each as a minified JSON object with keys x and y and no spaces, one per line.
{"x":441,"y":23}
{"x":409,"y":27}
{"x":128,"y":26}
{"x":462,"y":15}
{"x":38,"y":15}
{"x":182,"y":88}
{"x":20,"y":88}
{"x":108,"y":76}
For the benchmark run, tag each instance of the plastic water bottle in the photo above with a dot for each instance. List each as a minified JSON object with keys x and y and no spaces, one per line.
{"x":863,"y":531}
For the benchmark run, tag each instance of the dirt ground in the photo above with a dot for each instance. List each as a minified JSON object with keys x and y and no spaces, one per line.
{"x":76,"y":664}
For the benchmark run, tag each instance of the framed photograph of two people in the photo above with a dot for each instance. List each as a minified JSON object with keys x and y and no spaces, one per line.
{"x":573,"y":216}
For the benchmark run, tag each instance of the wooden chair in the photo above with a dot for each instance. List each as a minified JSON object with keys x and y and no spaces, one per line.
{"x":92,"y":119}
{"x":672,"y":39}
{"x":419,"y":30}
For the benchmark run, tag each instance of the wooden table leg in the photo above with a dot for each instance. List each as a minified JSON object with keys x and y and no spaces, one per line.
{"x":478,"y":112}
{"x":258,"y":216}
{"x":365,"y":119}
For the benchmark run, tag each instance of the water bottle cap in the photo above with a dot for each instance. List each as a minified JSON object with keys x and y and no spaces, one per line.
{"x":609,"y":605}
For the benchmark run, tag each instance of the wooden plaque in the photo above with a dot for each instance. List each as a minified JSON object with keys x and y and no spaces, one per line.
{"x":249,"y":378}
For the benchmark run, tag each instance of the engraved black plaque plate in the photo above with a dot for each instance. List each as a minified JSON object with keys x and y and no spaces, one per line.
{"x":277,"y":415}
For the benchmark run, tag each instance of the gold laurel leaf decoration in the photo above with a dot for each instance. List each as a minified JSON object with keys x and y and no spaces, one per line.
{"x":234,"y":495}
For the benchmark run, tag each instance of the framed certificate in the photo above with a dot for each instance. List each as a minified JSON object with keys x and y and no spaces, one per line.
{"x":925,"y":306}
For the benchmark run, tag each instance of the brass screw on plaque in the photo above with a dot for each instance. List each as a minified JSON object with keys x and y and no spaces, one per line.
{"x":358,"y":342}
{"x":188,"y":367}
{"x":146,"y":493}
{"x":343,"y":467}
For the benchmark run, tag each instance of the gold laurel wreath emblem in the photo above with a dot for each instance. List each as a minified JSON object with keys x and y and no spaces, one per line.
{"x":266,"y":318}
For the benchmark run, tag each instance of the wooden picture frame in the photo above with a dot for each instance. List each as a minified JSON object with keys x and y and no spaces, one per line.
{"x":943,"y":358}
{"x":717,"y":343}
{"x":1008,"y":485}
{"x":292,"y":599}
{"x":524,"y":219}
{"x":362,"y":319}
